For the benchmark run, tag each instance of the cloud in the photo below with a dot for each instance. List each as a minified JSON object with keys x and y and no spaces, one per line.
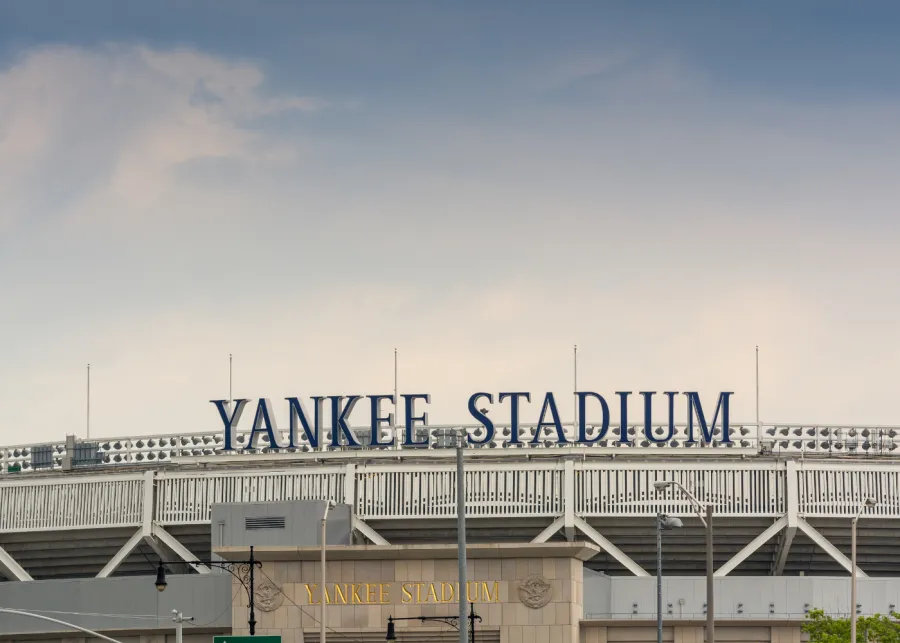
{"x":99,"y":133}
{"x":164,"y":216}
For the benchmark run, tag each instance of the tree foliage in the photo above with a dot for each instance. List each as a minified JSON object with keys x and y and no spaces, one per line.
{"x":878,"y":628}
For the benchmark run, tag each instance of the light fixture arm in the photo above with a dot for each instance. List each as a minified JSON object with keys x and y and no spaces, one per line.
{"x":242,"y":570}
{"x":699,"y":507}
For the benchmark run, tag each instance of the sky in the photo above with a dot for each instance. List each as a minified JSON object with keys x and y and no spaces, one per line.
{"x":482,"y":186}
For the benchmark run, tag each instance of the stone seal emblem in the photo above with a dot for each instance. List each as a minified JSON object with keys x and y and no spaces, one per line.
{"x":269,"y":596}
{"x":534,"y":591}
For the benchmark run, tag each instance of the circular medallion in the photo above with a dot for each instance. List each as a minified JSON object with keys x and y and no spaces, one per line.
{"x":268,"y":596}
{"x":534,"y":591}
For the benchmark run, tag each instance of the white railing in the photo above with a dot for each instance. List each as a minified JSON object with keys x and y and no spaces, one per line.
{"x":185,"y":498}
{"x":162,"y":448}
{"x":498,"y":490}
{"x":837,"y":490}
{"x":813,"y":440}
{"x":508,"y":489}
{"x":748,"y":489}
{"x":82,"y":503}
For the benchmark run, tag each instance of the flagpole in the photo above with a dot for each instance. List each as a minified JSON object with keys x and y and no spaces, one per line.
{"x":575,"y":392}
{"x":758,"y":425}
{"x":396,"y":401}
{"x":88,"y":401}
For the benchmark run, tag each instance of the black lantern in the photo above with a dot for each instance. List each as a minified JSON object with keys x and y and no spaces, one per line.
{"x":161,"y":579}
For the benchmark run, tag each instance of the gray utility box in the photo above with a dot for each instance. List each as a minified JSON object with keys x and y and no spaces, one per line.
{"x":296,"y":523}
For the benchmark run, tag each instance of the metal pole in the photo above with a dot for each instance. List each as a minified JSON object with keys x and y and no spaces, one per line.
{"x":575,"y":401}
{"x":853,"y":581}
{"x":396,"y":400}
{"x":758,"y":425}
{"x":461,"y":538}
{"x":88,"y":401}
{"x":472,"y":622}
{"x":710,"y":588}
{"x":658,"y":578}
{"x":252,"y":620}
{"x":179,"y":625}
{"x":324,"y":594}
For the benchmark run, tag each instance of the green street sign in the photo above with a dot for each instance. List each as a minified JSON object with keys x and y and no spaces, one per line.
{"x":246,"y":639}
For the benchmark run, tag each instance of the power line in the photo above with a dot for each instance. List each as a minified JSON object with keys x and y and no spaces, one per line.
{"x":145,"y":616}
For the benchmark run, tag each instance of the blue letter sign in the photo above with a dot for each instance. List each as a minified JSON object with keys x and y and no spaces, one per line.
{"x":307,"y":433}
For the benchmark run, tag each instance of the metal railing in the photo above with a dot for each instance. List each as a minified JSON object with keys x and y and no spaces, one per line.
{"x":509,"y":488}
{"x":36,"y":504}
{"x":787,"y":439}
{"x":185,"y":498}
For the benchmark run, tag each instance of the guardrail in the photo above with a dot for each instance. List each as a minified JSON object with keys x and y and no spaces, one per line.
{"x":505,"y":490}
{"x":185,"y":498}
{"x":787,"y":439}
{"x":35,"y":504}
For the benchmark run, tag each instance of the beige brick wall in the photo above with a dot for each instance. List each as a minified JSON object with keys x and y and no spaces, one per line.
{"x":556,"y":622}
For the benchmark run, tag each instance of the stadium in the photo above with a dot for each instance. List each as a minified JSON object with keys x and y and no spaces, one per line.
{"x":561,"y":535}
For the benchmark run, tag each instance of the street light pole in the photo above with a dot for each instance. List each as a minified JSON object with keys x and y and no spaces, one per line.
{"x":659,"y":578}
{"x":704,"y":513}
{"x":179,"y":625}
{"x":328,"y":505}
{"x":710,"y":587}
{"x":867,"y":503}
{"x":461,"y":537}
{"x":662,"y":522}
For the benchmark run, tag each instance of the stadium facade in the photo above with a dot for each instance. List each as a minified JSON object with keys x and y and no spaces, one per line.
{"x":561,"y":532}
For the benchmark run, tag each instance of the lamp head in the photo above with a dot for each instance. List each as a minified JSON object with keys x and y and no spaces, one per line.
{"x":870,"y":503}
{"x":161,"y":578}
{"x":391,"y":635}
{"x":659,"y":486}
{"x":669,"y":522}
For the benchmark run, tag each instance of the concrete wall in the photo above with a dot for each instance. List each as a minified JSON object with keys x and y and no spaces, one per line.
{"x":737,"y":597}
{"x":207,"y":598}
{"x":303,"y":520}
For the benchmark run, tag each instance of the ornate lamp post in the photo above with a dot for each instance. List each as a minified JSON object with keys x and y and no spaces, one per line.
{"x":449,"y":620}
{"x":242,"y":570}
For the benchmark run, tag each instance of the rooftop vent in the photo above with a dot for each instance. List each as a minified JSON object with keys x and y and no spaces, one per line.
{"x":264,"y":522}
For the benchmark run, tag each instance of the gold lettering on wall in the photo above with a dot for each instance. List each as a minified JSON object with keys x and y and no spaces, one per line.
{"x":410,"y":593}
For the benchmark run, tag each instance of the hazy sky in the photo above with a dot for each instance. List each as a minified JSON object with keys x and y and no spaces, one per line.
{"x":481,"y":185}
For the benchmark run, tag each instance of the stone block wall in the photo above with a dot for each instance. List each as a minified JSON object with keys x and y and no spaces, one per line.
{"x":546,"y":610}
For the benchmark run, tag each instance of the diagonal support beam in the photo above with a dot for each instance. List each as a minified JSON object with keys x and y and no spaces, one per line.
{"x":122,"y":554}
{"x":569,"y":500}
{"x":829,"y":549}
{"x":784,"y":548}
{"x":792,"y":498}
{"x":180,"y":550}
{"x":609,"y":548}
{"x":11,"y":569}
{"x":368,"y":532}
{"x":554,"y":526}
{"x":755,"y":544}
